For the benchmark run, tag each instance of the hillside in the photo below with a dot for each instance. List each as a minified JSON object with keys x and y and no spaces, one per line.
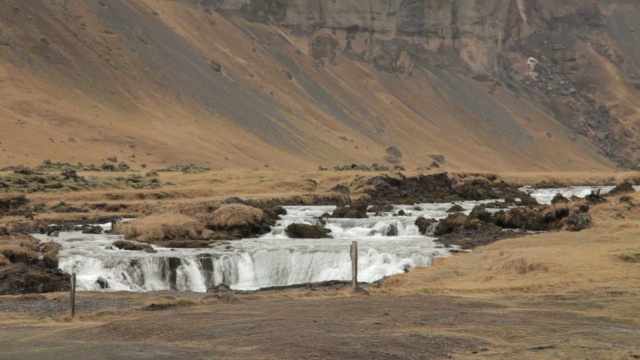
{"x":527,"y":85}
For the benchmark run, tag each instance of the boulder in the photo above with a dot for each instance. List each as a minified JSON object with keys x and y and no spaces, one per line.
{"x":392,"y":230}
{"x":559,"y":198}
{"x":623,"y":188}
{"x":92,"y":230}
{"x":304,"y":231}
{"x":380,"y":208}
{"x":246,"y":220}
{"x":455,"y":208}
{"x":131,"y":246}
{"x":452,"y":223}
{"x":480,"y":212}
{"x":579,"y":221}
{"x":424,"y":224}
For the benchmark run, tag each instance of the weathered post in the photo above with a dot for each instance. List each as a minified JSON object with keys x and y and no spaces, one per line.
{"x":73,"y":294}
{"x":354,"y":265}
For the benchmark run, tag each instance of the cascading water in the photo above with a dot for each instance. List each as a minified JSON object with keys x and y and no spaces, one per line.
{"x":544,"y":196}
{"x":388,"y":244}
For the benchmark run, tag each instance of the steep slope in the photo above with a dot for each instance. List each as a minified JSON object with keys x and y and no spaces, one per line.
{"x":293,"y":84}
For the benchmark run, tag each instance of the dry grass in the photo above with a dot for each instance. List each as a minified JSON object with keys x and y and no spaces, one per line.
{"x":234,"y":215}
{"x":584,"y":262}
{"x":161,"y":227}
{"x":3,"y":260}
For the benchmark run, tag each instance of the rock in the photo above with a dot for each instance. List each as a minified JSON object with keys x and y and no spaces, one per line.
{"x":103,"y":283}
{"x":424,"y":224}
{"x":10,"y":204}
{"x":559,"y":198}
{"x":304,"y":231}
{"x":215,"y":66}
{"x":63,"y":207}
{"x":219,"y":289}
{"x":50,"y":262}
{"x":439,"y":158}
{"x":394,"y":151}
{"x":123,"y":166}
{"x":452,"y":223}
{"x":392,"y":230}
{"x":579,"y":221}
{"x":242,"y":219}
{"x":22,"y":279}
{"x":595,"y":197}
{"x":233,"y":200}
{"x":92,"y":230}
{"x":357,"y":210}
{"x":380,"y":208}
{"x":623,"y":188}
{"x":480,"y":212}
{"x":131,"y":246}
{"x":455,"y":208}
{"x":26,"y":227}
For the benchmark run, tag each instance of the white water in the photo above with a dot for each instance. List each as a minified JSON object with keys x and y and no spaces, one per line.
{"x":273,"y":260}
{"x":544,"y":196}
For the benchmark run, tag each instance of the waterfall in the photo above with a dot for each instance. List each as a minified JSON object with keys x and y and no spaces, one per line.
{"x":389,"y":243}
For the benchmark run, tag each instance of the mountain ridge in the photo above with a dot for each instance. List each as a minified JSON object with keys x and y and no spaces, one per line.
{"x":240,"y":84}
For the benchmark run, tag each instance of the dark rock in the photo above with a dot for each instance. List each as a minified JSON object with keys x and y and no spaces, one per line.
{"x":623,"y":188}
{"x":559,"y":198}
{"x":392,"y":230}
{"x":626,"y":199}
{"x":92,"y":230}
{"x":380,"y":208}
{"x":455,"y":208}
{"x":394,"y":151}
{"x":131,"y":246}
{"x":479,"y":212}
{"x":233,"y":200}
{"x":402,"y":213}
{"x":215,"y":66}
{"x":123,"y":166}
{"x":304,"y":231}
{"x":103,"y":283}
{"x":424,"y":224}
{"x":22,"y":279}
{"x":595,"y":197}
{"x":219,"y":289}
{"x":452,"y":223}
{"x":579,"y":221}
{"x":50,"y":262}
{"x":63,"y":207}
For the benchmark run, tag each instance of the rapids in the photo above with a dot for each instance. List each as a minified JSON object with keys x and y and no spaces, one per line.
{"x":388,"y":244}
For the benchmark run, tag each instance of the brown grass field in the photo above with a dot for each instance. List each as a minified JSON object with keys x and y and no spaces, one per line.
{"x":558,"y":295}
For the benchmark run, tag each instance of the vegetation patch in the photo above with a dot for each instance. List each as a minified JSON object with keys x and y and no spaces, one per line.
{"x":631,"y":258}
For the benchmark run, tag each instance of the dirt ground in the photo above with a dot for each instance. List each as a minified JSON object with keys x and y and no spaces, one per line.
{"x":555,"y":326}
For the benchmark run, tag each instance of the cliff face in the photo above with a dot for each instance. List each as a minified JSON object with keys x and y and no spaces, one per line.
{"x":489,"y":84}
{"x":558,"y":51}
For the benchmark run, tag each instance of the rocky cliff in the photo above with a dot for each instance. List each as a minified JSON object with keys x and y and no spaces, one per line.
{"x":488,"y":84}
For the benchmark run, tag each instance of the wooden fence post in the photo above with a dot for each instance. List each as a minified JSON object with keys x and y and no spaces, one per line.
{"x":73,"y":295}
{"x":354,"y":265}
